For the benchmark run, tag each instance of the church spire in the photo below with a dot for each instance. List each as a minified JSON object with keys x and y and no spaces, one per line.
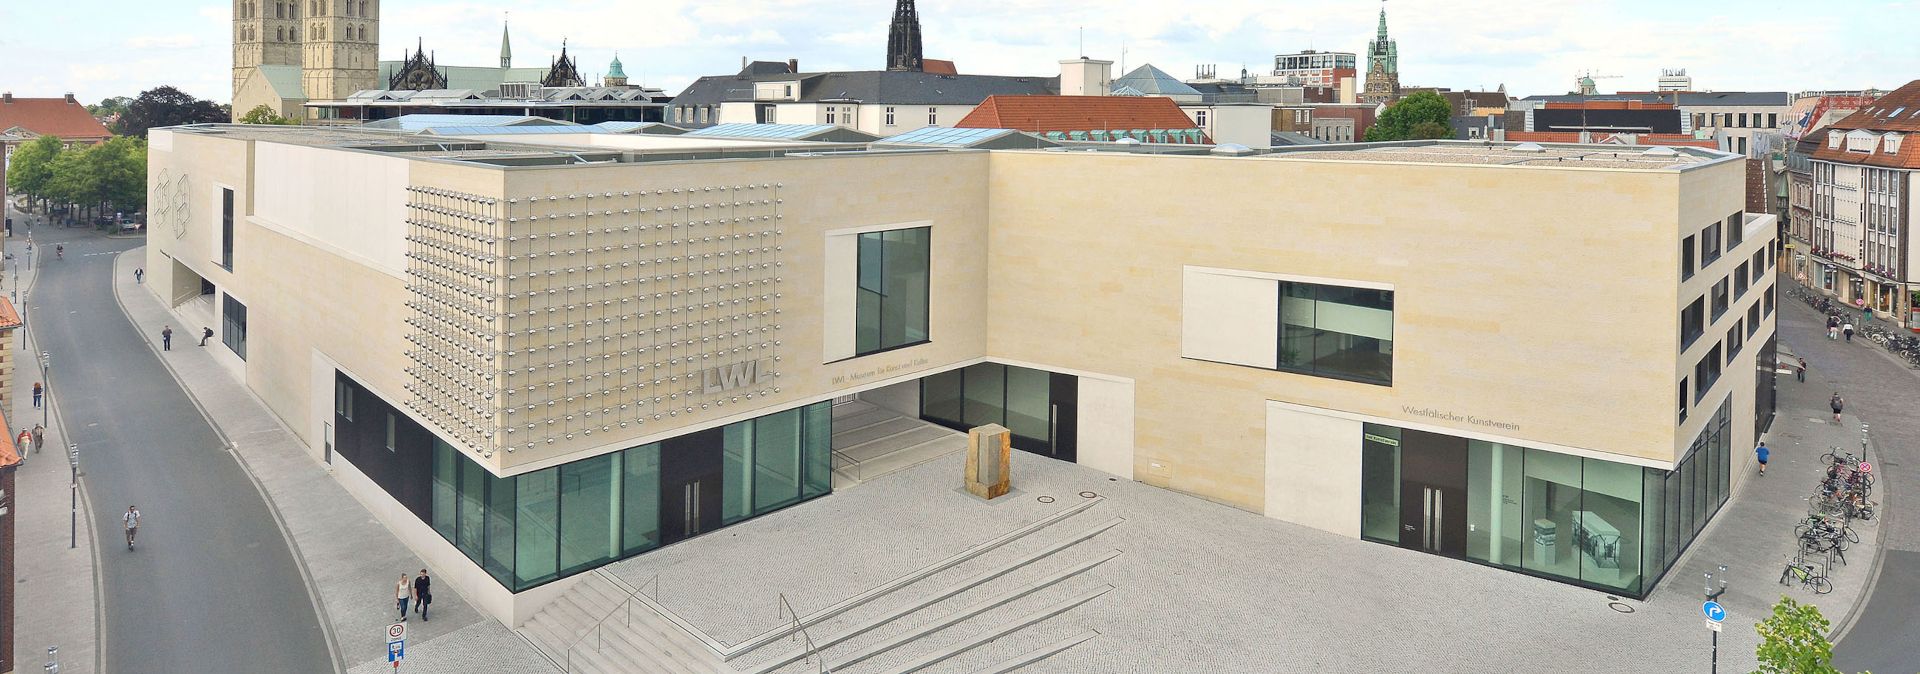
{"x":506,"y":47}
{"x":1382,"y":35}
{"x":903,"y":39}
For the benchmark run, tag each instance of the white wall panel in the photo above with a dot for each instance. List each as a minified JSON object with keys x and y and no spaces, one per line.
{"x":1106,"y":426}
{"x":1229,"y":318}
{"x":352,"y":202}
{"x":1313,"y":469}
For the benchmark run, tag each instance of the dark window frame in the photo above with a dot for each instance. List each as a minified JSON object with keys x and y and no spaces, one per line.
{"x":1718,"y":301}
{"x":1281,"y":343}
{"x":1686,"y":258}
{"x":926,"y":299}
{"x":226,"y":228}
{"x":1693,"y":322}
{"x":233,"y":333}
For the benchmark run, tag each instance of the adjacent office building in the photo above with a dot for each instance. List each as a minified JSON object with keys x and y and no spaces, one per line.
{"x":1854,"y":205}
{"x":532,"y":355}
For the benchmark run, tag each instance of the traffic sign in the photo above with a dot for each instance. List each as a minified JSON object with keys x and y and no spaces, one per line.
{"x":1715,"y":613}
{"x":1713,"y":625}
{"x":396,"y":651}
{"x":397,"y":632}
{"x":1866,"y":467}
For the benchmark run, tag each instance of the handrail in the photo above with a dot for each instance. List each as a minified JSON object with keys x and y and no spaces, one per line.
{"x":627,"y":604}
{"x":812,"y":652}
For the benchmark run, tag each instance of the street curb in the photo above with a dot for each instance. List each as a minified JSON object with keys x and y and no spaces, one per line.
{"x":232,"y":449}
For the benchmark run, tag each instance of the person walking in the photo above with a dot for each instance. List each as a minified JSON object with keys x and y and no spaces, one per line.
{"x":132,"y":519}
{"x":139,"y":275}
{"x":36,"y":395}
{"x":166,"y":338}
{"x":1801,"y":372}
{"x":1867,"y":314}
{"x":422,"y":594}
{"x":401,"y":593}
{"x":39,"y":436}
{"x":1837,"y":404}
{"x":205,"y":334}
{"x":1761,"y":453}
{"x":1833,"y":327}
{"x":1847,"y":329}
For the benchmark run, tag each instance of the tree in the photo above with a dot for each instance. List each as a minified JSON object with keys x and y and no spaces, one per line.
{"x":1793,"y":640}
{"x":31,"y":168}
{"x":110,"y":108}
{"x":264,"y":114}
{"x":1422,"y":115}
{"x":166,"y":106}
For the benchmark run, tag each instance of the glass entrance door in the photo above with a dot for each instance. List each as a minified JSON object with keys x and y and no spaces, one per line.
{"x":690,"y":508}
{"x":1433,"y":493}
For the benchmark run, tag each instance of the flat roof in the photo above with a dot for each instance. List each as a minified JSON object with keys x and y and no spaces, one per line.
{"x":1636,"y":157}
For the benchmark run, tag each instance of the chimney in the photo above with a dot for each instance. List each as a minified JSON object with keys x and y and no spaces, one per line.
{"x":793,"y":65}
{"x":6,"y":97}
{"x":70,"y":98}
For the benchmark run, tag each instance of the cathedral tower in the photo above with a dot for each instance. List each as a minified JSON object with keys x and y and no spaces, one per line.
{"x":903,"y":39}
{"x":1383,"y":66}
{"x":265,"y":32}
{"x":342,"y":43}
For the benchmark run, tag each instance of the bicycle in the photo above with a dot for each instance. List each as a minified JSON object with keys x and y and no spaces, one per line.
{"x":1809,"y":576}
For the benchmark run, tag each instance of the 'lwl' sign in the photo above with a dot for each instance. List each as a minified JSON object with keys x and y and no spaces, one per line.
{"x":729,"y":377}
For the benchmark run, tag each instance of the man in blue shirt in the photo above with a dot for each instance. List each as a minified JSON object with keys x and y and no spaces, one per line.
{"x":1761,"y":453}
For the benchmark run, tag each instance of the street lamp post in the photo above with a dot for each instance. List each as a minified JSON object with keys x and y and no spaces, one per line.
{"x":1863,"y":442}
{"x":1712,"y":593}
{"x":46,"y":374}
{"x":73,"y":495}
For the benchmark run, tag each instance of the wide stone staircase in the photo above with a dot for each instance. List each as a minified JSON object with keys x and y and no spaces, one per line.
{"x":870,"y":441}
{"x":998,"y":606}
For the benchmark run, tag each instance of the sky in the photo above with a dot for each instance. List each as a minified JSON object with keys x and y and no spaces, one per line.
{"x":102,"y":48}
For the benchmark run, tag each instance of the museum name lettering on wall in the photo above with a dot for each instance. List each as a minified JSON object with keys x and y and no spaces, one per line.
{"x":869,"y":374}
{"x":1445,"y":415}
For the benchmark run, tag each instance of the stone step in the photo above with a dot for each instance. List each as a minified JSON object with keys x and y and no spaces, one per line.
{"x":1028,"y":658}
{"x":997,"y":631}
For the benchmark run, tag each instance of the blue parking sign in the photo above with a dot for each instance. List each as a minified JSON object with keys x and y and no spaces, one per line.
{"x":396,"y":651}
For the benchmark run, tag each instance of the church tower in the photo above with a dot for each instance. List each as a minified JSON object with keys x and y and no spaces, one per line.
{"x":1383,"y":66}
{"x":616,"y":73}
{"x":265,"y":32}
{"x":903,"y":39}
{"x":342,"y":39}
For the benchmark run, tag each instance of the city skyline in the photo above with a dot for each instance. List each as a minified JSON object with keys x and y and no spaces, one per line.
{"x":1535,"y":49}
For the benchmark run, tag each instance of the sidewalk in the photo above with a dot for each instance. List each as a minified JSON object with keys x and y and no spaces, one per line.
{"x":1753,"y":533}
{"x":349,"y":558}
{"x":56,"y":605}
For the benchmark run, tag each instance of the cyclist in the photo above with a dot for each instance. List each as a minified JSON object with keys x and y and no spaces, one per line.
{"x":132,"y":518}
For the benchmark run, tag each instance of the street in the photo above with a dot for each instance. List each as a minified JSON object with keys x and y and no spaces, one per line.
{"x":1881,"y":391}
{"x":212,"y":586}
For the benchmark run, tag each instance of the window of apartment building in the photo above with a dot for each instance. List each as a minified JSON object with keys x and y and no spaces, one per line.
{"x":890,"y":310}
{"x":1686,"y":258}
{"x":1742,"y":141}
{"x":1699,"y":122}
{"x":1735,"y":338}
{"x":1706,"y":372}
{"x":889,"y":115}
{"x":1743,"y":120}
{"x":1200,"y":118}
{"x":831,"y":114}
{"x":1693,"y":322}
{"x":390,"y":432}
{"x":1718,"y":299}
{"x":1709,"y":244}
{"x":1773,"y":120}
{"x":1769,"y":301}
{"x":1740,"y":280}
{"x":1759,"y":266}
{"x":1684,"y":401}
{"x":233,"y":326}
{"x":1736,"y":230}
{"x":1753,"y":318}
{"x":933,"y":116}
{"x":226,"y":229}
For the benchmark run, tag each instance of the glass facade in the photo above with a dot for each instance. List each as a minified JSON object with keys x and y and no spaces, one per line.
{"x":1038,"y":406}
{"x":535,"y":527}
{"x":891,"y":306}
{"x":1601,"y":524}
{"x":1332,"y":331}
{"x":233,"y":325}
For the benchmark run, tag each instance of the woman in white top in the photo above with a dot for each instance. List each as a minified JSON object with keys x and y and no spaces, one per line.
{"x":401,"y":593}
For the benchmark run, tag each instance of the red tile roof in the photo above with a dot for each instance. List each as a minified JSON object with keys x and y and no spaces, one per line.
{"x":1040,"y":114}
{"x":937,"y":67}
{"x":9,"y":318}
{"x":1643,"y":139}
{"x":1897,"y":112}
{"x":9,"y":453}
{"x":59,"y":117}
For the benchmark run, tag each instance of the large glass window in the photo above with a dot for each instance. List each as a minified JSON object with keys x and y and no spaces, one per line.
{"x":990,"y":393}
{"x":776,"y":460}
{"x":589,"y":511}
{"x":736,"y":460}
{"x":986,"y":394}
{"x":1496,"y":531}
{"x":536,"y":528}
{"x":1027,"y":403}
{"x":1339,"y":332}
{"x":817,"y":450}
{"x":640,"y":498}
{"x":445,"y":486}
{"x":471,"y":517}
{"x":1706,"y":372}
{"x":940,"y":397}
{"x":500,"y":551}
{"x":226,"y":229}
{"x":891,"y":307}
{"x":233,"y":326}
{"x":1380,"y":483}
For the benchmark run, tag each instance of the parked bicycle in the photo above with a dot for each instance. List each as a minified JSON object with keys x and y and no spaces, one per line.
{"x":1807,"y":574}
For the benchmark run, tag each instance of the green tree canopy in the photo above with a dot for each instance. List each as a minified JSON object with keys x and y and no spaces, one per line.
{"x":109,"y":107}
{"x":31,"y":168}
{"x":1422,"y":115}
{"x":1794,"y":640}
{"x":166,"y":106}
{"x":264,"y":114}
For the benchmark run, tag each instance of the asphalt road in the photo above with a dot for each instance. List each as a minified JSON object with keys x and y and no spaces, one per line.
{"x":1885,"y":636}
{"x":212,"y":586}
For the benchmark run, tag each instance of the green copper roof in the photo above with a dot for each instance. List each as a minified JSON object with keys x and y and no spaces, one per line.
{"x":506,"y":47}
{"x":614,"y":69}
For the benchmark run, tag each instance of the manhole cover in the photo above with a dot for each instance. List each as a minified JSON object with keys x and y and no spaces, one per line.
{"x":1619,"y":607}
{"x":1045,"y":499}
{"x":1088,"y":494}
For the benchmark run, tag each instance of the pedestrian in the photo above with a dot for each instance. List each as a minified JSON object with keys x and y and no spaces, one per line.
{"x":139,"y":275}
{"x":1868,"y":314}
{"x":25,"y":444}
{"x":132,"y":519}
{"x":36,"y":395}
{"x":401,"y":593}
{"x":422,"y":594}
{"x":1848,"y":330}
{"x":205,"y":334}
{"x":1833,"y":327}
{"x":1836,"y":403}
{"x":166,"y":338}
{"x":1761,"y":453}
{"x":1801,"y":372}
{"x":39,"y":437}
